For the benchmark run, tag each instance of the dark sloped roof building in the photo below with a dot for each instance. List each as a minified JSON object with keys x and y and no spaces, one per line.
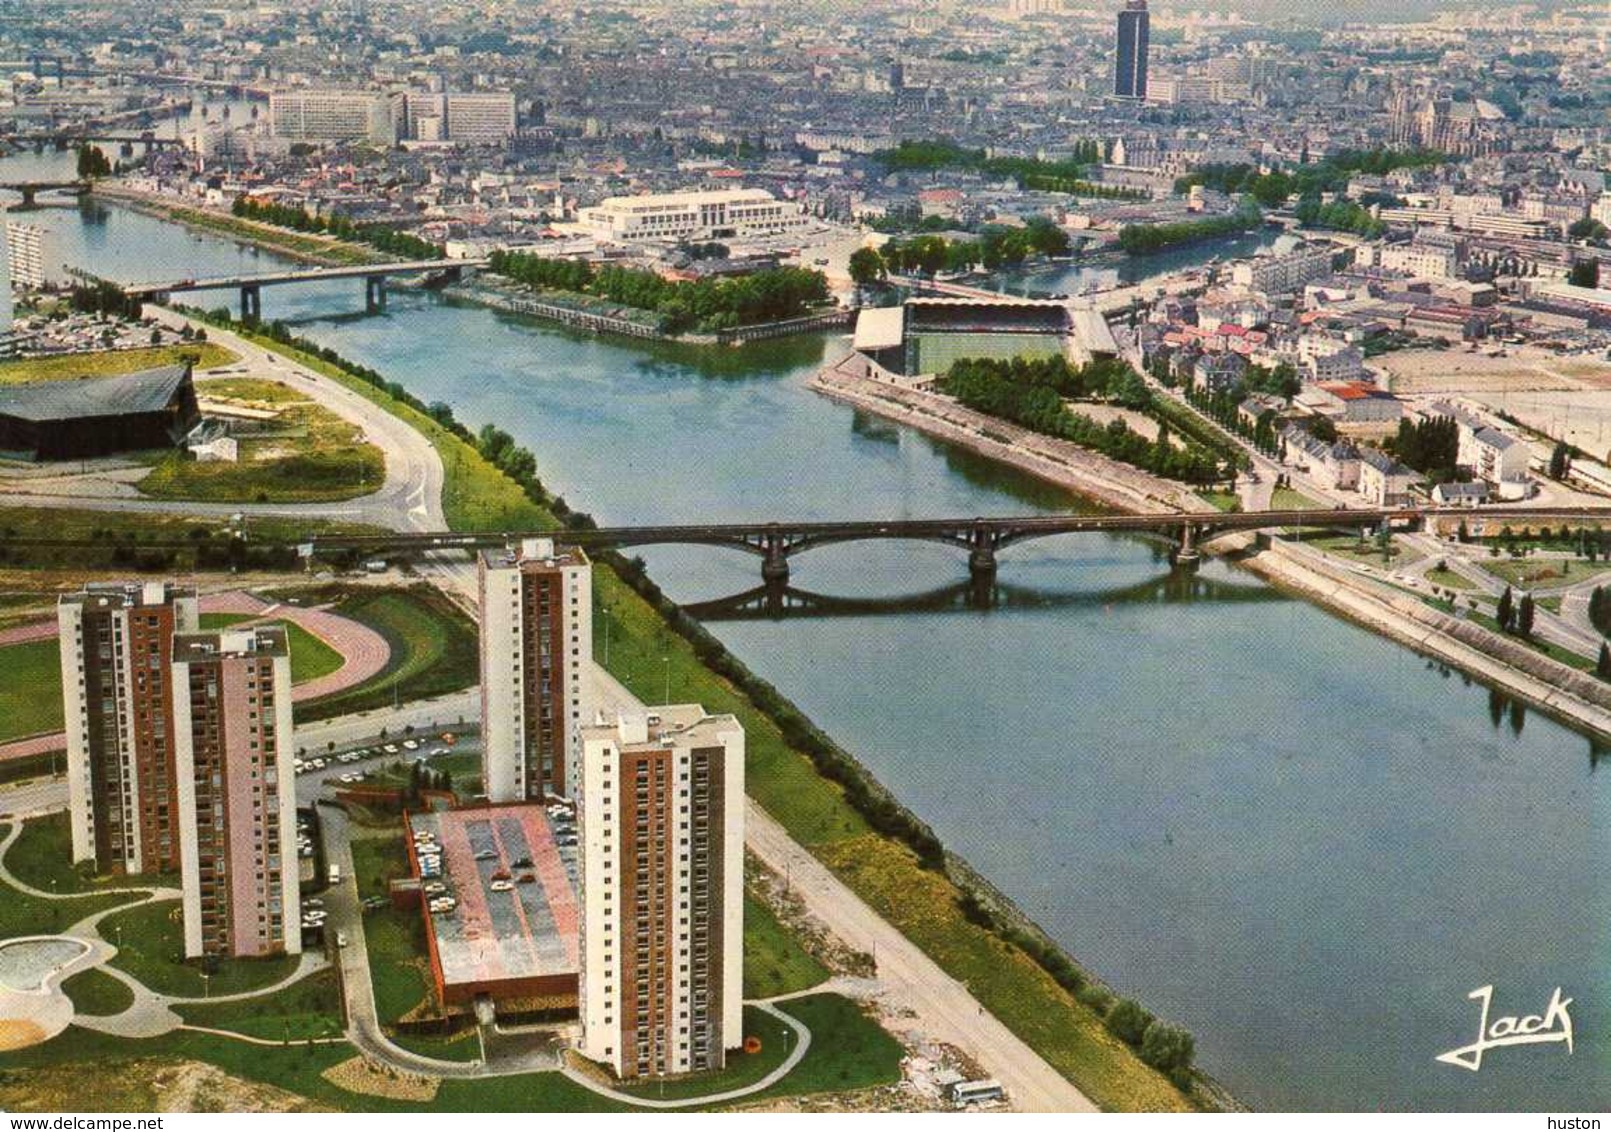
{"x":98,"y":416}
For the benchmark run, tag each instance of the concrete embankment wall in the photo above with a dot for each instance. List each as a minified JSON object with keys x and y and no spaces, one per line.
{"x":1057,"y":461}
{"x":1576,"y":697}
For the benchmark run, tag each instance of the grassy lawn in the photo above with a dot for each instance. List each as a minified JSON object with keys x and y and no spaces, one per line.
{"x":1348,"y":547}
{"x":42,"y":858}
{"x":433,"y":648}
{"x":848,"y":1049}
{"x":1286,"y":499}
{"x":476,"y":496}
{"x":31,"y":690}
{"x":311,"y":658}
{"x":774,"y":962}
{"x":151,"y":947}
{"x":1448,"y":579}
{"x":106,"y":363}
{"x":1525,"y":573}
{"x":315,"y":456}
{"x":1220,"y":500}
{"x":309,"y":1008}
{"x":1537,"y":644}
{"x":96,"y":993}
{"x":298,"y":245}
{"x":376,"y":861}
{"x":21,"y":914}
{"x":462,"y":1046}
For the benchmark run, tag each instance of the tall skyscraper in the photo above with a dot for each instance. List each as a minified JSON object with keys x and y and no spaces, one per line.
{"x":662,"y":936}
{"x":1130,"y":60}
{"x":536,"y":648}
{"x":123,"y":787}
{"x":237,"y":793}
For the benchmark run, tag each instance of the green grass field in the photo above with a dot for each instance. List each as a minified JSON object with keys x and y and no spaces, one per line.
{"x":774,"y":961}
{"x":433,"y":649}
{"x":96,"y":993}
{"x":848,"y":1049}
{"x":42,"y":858}
{"x":22,"y":914}
{"x":320,"y":458}
{"x":151,"y":946}
{"x":1448,"y":579}
{"x":311,"y":658}
{"x":308,"y":1008}
{"x":1286,"y":499}
{"x":106,"y":363}
{"x":31,"y":690}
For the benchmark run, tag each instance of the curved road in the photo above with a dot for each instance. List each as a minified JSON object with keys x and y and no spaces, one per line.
{"x":410,"y":499}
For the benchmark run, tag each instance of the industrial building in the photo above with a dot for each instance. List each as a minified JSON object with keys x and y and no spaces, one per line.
{"x":536,"y":646}
{"x":232,"y":772}
{"x":662,"y":834}
{"x":88,"y":417}
{"x":123,"y":783}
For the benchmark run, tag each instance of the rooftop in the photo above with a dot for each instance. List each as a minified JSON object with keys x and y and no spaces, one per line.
{"x":527,"y":932}
{"x":144,"y":392}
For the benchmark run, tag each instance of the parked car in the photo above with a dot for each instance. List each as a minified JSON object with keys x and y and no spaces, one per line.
{"x":502,"y":886}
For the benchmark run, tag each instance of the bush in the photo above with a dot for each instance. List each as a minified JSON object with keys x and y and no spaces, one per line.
{"x":1128,"y":1021}
{"x":1169,"y":1050}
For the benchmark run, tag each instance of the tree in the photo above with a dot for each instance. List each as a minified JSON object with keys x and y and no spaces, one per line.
{"x":1505,"y":610}
{"x":1169,"y":1050}
{"x":1128,"y":1021}
{"x":1585,"y":273}
{"x":1602,"y":667}
{"x":1560,"y":460}
{"x":1524,"y":616}
{"x":92,"y":162}
{"x":867,"y":267}
{"x":1587,"y":229}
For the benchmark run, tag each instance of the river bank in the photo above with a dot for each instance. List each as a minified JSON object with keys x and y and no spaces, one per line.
{"x":320,"y":251}
{"x":1569,"y":695}
{"x":1058,"y":462}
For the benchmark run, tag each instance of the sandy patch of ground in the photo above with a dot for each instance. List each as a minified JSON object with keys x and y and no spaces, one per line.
{"x":148,"y":1085}
{"x":1104,"y":414}
{"x":1456,"y":371}
{"x":19,"y":1033}
{"x":360,"y":1075}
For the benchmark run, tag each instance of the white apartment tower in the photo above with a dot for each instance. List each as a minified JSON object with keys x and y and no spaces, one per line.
{"x":536,"y":652}
{"x":661,"y":818}
{"x":116,"y":643}
{"x":237,"y":793}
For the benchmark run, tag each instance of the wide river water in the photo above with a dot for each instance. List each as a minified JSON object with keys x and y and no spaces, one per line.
{"x":1302,"y":842}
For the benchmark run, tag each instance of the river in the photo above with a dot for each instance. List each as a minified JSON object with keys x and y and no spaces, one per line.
{"x":1304,"y":843}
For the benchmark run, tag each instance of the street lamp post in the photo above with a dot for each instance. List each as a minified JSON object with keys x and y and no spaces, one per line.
{"x":666,"y":660}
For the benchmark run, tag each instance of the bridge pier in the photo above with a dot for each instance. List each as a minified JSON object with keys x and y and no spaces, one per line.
{"x":1187,"y":556}
{"x":775,"y":563}
{"x":251,"y":302}
{"x":29,"y":193}
{"x":374,"y":293}
{"x":981,"y":555}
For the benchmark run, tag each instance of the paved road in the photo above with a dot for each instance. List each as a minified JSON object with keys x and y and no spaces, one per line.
{"x":410,"y":499}
{"x":944,"y":1009}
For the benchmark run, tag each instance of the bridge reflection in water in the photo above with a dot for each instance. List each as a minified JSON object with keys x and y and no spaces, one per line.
{"x":779,"y":601}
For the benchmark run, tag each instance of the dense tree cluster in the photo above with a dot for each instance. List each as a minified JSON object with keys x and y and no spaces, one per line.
{"x":707,"y":304}
{"x":1430,"y":446}
{"x":1585,"y":273}
{"x":92,"y":162}
{"x":1032,"y":394}
{"x":103,"y":297}
{"x":381,"y":237}
{"x":1339,"y":216}
{"x":1145,"y":239}
{"x":941,"y":153}
{"x":1327,"y":176}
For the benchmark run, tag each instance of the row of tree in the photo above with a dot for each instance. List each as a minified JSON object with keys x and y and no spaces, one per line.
{"x":997,"y":246}
{"x":381,"y":237}
{"x":1145,"y":239}
{"x":1028,"y":394}
{"x":706,"y":304}
{"x":1515,"y":616}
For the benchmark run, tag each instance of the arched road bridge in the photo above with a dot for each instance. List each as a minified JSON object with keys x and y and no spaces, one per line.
{"x":983,"y":538}
{"x":30,"y":190}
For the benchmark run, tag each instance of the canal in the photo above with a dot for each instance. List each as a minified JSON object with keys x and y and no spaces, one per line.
{"x":1302,"y":842}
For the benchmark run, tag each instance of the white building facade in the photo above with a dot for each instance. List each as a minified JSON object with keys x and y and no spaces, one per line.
{"x":536,"y":653}
{"x":662,"y":935}
{"x":727,"y":214}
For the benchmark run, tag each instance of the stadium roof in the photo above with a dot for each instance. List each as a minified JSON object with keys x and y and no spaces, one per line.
{"x":148,"y":391}
{"x":880,"y":328}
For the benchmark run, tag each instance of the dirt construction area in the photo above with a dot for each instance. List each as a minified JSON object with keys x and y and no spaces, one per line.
{"x":147,"y":1085}
{"x":1566,"y":398}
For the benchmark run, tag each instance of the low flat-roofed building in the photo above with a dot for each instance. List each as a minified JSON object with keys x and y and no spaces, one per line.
{"x":722,"y":214}
{"x":512,"y":932}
